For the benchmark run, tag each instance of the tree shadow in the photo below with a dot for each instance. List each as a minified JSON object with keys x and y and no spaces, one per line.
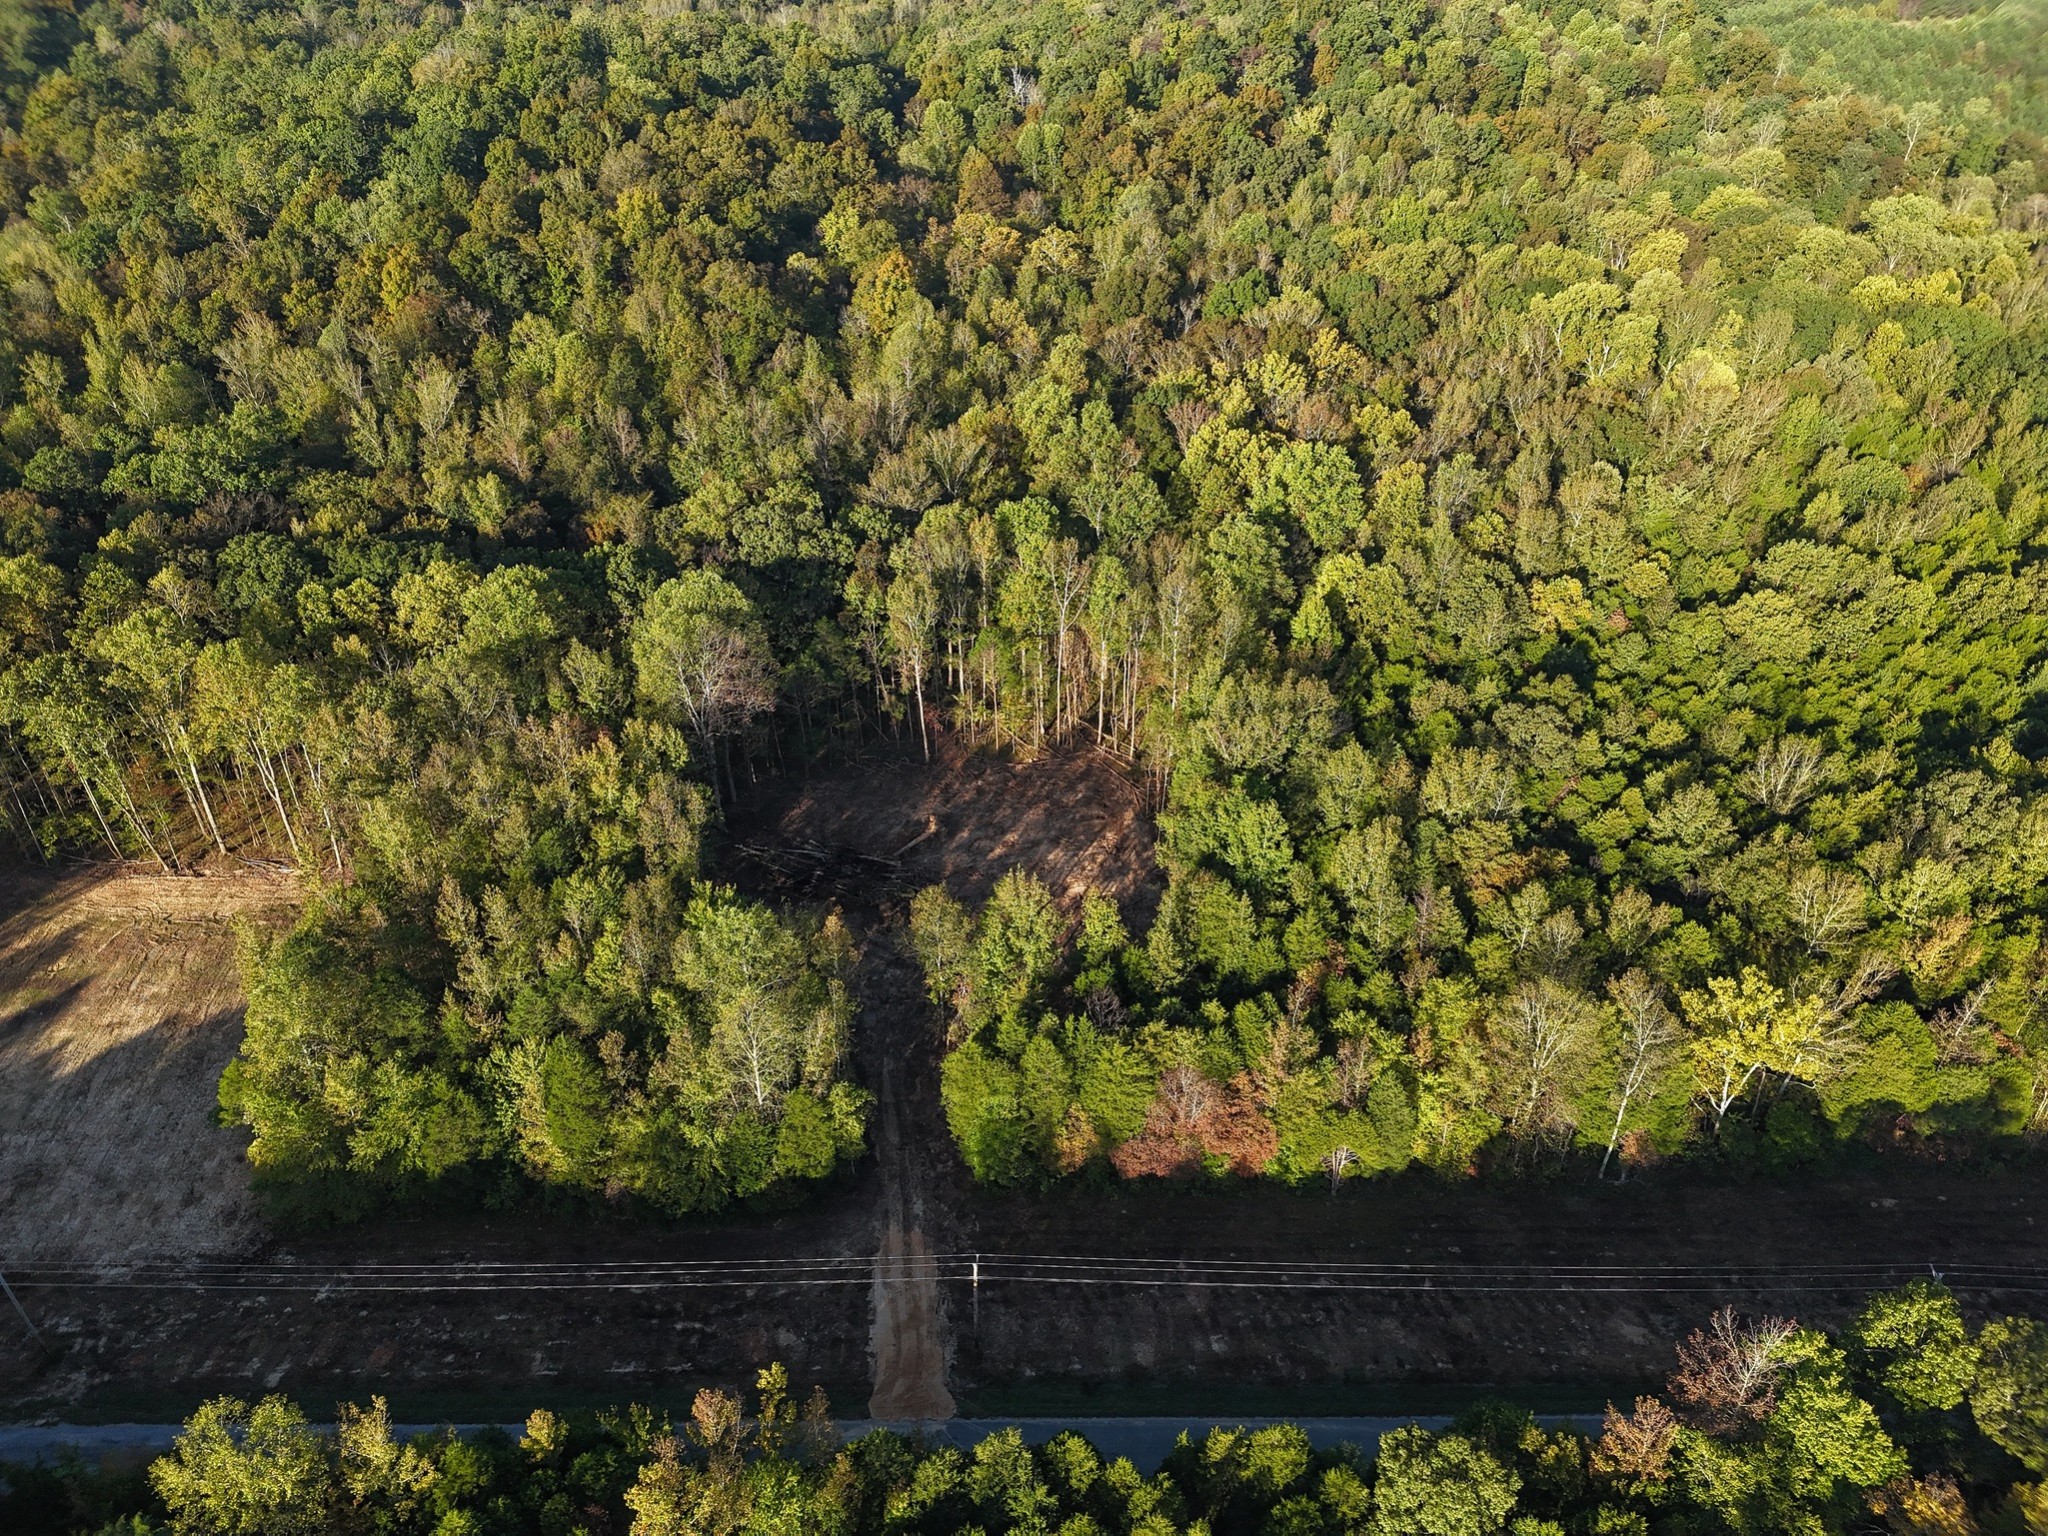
{"x":115,"y":1152}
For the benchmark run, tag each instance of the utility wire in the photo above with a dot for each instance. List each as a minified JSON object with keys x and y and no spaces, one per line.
{"x":449,"y":1277}
{"x":866,"y":1262}
{"x":20,"y":1311}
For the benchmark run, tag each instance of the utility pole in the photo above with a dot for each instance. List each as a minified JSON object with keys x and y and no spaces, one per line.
{"x":21,"y":1312}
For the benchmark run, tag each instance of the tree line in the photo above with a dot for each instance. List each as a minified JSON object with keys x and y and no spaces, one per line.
{"x":1908,"y":1421}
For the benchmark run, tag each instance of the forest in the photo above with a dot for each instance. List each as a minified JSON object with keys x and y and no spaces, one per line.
{"x":1548,"y":498}
{"x":1909,"y":1419}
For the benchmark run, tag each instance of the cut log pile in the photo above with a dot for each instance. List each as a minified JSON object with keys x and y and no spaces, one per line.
{"x":816,"y":871}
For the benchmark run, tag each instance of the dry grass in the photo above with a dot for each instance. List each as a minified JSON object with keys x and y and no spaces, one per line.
{"x":119,"y":1005}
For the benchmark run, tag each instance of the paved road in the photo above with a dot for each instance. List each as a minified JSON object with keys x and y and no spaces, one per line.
{"x":1145,"y":1441}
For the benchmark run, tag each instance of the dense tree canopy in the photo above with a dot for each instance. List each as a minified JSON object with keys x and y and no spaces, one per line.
{"x":1908,"y":1423}
{"x":1551,"y":495}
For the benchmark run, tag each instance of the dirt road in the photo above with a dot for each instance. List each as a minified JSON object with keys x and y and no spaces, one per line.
{"x":1395,"y":1296}
{"x":909,"y":1341}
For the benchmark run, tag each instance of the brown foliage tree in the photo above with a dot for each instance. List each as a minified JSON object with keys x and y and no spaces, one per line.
{"x":1926,"y":1506}
{"x":1727,"y":1373}
{"x":1191,"y":1119}
{"x":1636,"y":1445}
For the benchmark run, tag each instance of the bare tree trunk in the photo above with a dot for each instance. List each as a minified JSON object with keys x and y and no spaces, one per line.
{"x":1614,"y":1136}
{"x":199,"y":786}
{"x":710,"y":745}
{"x":923,"y":730}
{"x":1101,"y":688}
{"x":99,"y":815}
{"x":134,"y":815}
{"x":268,"y":774}
{"x":28,"y":826}
{"x":326,"y":817}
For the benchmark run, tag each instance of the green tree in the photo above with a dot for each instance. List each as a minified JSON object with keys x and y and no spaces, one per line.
{"x":1913,"y":1344}
{"x":1830,"y":1438}
{"x":2009,"y":1398}
{"x":773,"y":1018}
{"x":699,"y":656}
{"x":1439,"y":1485}
{"x":1017,"y":944}
{"x":237,"y":1471}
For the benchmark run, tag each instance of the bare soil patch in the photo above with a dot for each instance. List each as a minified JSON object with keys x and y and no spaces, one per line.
{"x":526,"y":1310}
{"x":1504,"y":1290}
{"x":1077,"y":820}
{"x":909,"y":1337}
{"x":898,"y":1057}
{"x":119,"y":1005}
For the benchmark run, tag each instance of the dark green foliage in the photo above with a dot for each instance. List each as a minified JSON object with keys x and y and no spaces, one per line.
{"x":707,"y":1077}
{"x":2010,"y":1397}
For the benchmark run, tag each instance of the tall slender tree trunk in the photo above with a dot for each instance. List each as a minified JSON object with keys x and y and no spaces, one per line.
{"x":268,"y":773}
{"x":326,"y":816}
{"x":917,"y":683}
{"x":186,"y":773}
{"x":28,"y":825}
{"x":1101,"y":689}
{"x":199,"y":786}
{"x":93,"y":800}
{"x":134,"y":814}
{"x":1614,"y":1135}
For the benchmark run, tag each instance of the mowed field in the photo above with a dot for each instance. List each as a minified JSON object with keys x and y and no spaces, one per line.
{"x":119,"y":1005}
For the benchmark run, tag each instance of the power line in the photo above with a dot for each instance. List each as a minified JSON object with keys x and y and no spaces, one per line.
{"x":866,"y":1262}
{"x":975,"y":1269}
